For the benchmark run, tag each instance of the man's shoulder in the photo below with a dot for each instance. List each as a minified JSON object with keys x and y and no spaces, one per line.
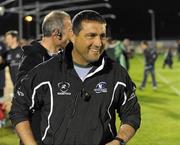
{"x":49,"y":64}
{"x":43,"y":70}
{"x":33,"y":48}
{"x":118,"y":68}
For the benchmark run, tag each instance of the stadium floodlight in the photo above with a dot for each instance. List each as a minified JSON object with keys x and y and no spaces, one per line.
{"x":28,"y":18}
{"x":150,"y":11}
{"x":153,"y":31}
{"x":2,"y":10}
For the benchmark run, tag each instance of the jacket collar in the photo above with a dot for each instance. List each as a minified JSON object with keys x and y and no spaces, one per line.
{"x":97,"y":66}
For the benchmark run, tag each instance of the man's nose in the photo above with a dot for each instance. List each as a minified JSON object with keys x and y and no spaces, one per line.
{"x":98,"y":41}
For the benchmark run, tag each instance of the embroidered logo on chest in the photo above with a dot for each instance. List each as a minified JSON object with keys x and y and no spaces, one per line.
{"x":63,"y":88}
{"x":101,"y":88}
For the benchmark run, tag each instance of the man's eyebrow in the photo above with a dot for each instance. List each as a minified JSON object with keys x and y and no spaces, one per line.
{"x":91,"y":33}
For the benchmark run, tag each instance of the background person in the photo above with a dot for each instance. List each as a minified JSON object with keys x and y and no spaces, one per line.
{"x":11,"y":58}
{"x":121,"y":53}
{"x":150,"y":56}
{"x":168,"y":58}
{"x":56,"y":33}
{"x":13,"y":55}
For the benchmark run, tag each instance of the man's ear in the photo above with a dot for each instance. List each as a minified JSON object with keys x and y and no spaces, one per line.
{"x":59,"y":35}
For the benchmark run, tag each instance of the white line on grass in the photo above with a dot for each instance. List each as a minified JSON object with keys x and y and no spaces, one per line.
{"x":167,"y":82}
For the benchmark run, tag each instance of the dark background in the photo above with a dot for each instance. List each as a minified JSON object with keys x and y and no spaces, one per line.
{"x":132,"y":18}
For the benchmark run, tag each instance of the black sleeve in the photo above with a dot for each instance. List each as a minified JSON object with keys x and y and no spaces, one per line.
{"x":25,"y":101}
{"x":128,"y":107}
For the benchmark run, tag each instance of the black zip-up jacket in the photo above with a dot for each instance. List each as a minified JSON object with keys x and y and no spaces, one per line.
{"x":150,"y":56}
{"x":33,"y":55}
{"x":75,"y":112}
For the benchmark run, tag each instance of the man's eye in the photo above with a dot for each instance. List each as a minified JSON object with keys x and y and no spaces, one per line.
{"x":91,"y":35}
{"x":103,"y":37}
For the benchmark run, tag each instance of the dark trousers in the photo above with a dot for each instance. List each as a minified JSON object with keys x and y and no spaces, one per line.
{"x":147,"y":70}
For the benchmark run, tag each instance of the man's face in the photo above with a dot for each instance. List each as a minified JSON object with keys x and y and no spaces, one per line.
{"x":89,"y":43}
{"x":67,"y":32}
{"x":9,"y":40}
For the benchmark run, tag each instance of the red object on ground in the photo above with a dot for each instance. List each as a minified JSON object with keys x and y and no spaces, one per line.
{"x":2,"y":112}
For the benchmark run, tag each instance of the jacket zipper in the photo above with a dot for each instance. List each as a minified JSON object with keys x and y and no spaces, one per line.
{"x":72,"y":116}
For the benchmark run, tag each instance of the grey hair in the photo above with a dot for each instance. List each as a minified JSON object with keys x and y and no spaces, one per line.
{"x":52,"y":21}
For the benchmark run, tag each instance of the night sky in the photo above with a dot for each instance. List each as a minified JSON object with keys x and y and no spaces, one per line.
{"x":132,"y":18}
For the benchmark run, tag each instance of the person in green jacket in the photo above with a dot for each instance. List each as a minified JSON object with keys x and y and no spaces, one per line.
{"x":121,"y":52}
